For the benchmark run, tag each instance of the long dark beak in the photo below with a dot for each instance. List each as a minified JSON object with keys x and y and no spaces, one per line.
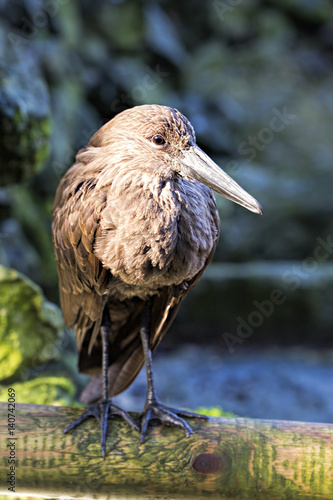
{"x":198,"y":166}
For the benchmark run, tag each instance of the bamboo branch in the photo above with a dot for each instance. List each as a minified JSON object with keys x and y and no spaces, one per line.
{"x":229,"y":458}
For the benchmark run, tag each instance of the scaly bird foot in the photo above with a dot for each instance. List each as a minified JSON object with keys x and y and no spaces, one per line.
{"x":102,"y":410}
{"x":167,"y":416}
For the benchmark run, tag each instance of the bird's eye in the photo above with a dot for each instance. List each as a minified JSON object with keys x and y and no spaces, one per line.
{"x":158,"y":140}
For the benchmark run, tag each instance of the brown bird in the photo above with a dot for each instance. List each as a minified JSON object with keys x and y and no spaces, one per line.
{"x":135,"y":225}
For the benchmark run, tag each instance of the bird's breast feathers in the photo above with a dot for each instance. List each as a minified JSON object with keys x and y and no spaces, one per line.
{"x":159,"y":232}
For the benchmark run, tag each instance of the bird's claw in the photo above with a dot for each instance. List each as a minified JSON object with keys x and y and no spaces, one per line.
{"x":168,"y":416}
{"x":101,"y":411}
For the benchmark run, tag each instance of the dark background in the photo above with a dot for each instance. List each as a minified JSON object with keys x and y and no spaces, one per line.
{"x":255,"y":79}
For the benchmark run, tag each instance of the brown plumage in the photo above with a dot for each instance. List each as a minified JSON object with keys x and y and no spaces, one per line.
{"x":134,"y":224}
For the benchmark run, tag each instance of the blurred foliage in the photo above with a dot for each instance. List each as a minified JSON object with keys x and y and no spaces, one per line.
{"x":24,"y":124}
{"x":255,"y":79}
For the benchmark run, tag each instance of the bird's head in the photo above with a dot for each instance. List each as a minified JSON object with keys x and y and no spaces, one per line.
{"x":166,"y":137}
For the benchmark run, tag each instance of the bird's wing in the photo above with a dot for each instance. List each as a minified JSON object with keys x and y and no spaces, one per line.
{"x":83,"y":281}
{"x":126,"y":355}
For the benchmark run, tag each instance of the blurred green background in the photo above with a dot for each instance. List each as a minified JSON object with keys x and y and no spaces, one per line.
{"x":255,"y":78}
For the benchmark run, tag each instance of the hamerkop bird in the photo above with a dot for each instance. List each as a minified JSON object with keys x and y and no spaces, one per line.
{"x":135,"y":225}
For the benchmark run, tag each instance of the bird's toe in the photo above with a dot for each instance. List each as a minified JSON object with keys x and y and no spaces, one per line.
{"x":115,"y":410}
{"x":166,"y":416}
{"x":101,"y":411}
{"x":188,"y":414}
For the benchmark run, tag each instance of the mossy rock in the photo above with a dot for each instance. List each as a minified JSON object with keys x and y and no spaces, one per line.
{"x":25,"y":125}
{"x":30,"y":326}
{"x":57,"y":391}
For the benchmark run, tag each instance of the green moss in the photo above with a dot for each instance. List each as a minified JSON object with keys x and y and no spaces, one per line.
{"x":214,"y":411}
{"x":30,"y":327}
{"x":57,"y":391}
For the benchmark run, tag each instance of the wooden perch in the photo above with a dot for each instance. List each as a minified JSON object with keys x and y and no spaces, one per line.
{"x":228,"y":458}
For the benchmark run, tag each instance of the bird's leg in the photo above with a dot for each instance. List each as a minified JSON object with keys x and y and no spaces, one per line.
{"x":153,"y":409}
{"x":104,"y":408}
